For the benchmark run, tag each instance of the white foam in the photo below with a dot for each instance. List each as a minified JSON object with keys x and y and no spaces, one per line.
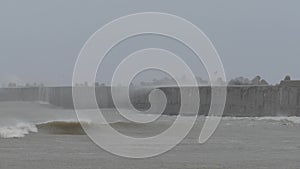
{"x":20,"y":130}
{"x":292,"y":119}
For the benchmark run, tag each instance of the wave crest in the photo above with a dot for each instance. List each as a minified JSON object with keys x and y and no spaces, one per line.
{"x":74,"y":127}
{"x":20,"y":130}
{"x":62,"y":127}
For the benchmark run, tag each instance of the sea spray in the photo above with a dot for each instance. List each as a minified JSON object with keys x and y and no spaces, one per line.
{"x":20,"y":130}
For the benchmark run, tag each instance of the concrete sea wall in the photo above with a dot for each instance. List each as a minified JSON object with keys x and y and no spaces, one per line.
{"x":241,"y":100}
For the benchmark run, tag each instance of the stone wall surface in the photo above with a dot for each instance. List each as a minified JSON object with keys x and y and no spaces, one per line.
{"x":241,"y":100}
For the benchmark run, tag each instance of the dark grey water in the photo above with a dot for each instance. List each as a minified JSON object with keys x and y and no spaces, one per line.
{"x":48,"y":137}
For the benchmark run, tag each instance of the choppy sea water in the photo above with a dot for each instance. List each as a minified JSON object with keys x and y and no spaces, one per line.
{"x":50,"y":137}
{"x":18,"y":119}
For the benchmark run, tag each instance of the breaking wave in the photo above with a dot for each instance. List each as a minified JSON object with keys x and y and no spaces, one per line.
{"x":52,"y":127}
{"x":75,"y":128}
{"x":20,"y":130}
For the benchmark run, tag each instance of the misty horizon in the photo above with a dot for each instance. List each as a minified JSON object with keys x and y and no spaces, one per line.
{"x":252,"y":38}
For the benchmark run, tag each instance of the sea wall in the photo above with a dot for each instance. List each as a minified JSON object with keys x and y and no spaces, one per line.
{"x":241,"y":100}
{"x":20,"y":94}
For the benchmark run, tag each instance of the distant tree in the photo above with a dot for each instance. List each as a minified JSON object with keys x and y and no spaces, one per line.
{"x":287,"y":78}
{"x":240,"y":81}
{"x":201,"y":81}
{"x":264,"y":82}
{"x":220,"y":81}
{"x":256,"y":80}
{"x":12,"y":84}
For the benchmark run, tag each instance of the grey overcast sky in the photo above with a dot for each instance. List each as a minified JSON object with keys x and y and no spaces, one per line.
{"x":40,"y":40}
